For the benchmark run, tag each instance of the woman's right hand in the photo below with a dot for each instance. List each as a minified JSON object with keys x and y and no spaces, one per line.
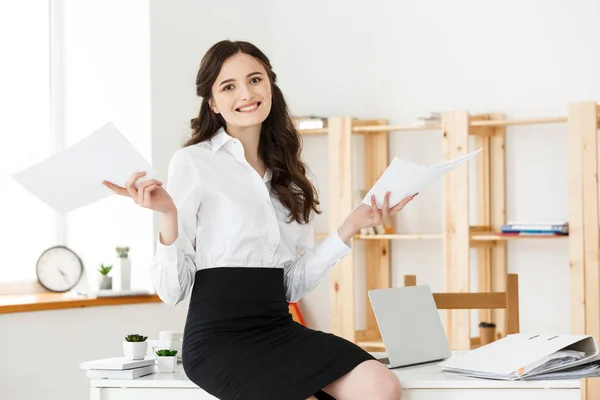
{"x":149,"y":194}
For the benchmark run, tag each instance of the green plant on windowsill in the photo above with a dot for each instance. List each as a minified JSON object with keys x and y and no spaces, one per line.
{"x":105,"y":269}
{"x":122,"y":252}
{"x":166,"y":353}
{"x":135,"y":338}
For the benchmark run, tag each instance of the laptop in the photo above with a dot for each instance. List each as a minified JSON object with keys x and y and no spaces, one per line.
{"x":410,"y":326}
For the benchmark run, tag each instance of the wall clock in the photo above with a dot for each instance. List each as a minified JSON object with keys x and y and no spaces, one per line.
{"x":59,"y":269}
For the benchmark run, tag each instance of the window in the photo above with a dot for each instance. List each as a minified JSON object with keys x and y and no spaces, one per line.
{"x":28,"y":225}
{"x":64,"y":74}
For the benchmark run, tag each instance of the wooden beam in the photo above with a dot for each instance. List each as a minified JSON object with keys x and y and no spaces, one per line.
{"x":584,"y":239}
{"x":480,"y":130}
{"x":319,"y":131}
{"x":455,"y":127}
{"x":524,"y":121}
{"x":377,"y":252}
{"x":469,"y":301}
{"x":498,"y":263}
{"x":484,"y":253}
{"x":395,"y":128}
{"x":512,"y":306}
{"x":410,"y":280}
{"x":341,"y":204}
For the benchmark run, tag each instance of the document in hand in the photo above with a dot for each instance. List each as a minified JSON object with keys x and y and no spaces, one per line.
{"x":403,"y":178}
{"x":530,"y":357}
{"x":73,"y":178}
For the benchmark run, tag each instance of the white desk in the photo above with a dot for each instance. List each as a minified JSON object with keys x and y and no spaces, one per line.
{"x":426,"y":382}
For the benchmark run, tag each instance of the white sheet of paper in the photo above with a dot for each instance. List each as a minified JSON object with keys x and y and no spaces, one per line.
{"x":403,"y":178}
{"x":73,"y":178}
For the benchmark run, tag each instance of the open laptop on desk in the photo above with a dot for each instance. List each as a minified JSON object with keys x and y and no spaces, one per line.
{"x":410,"y":326}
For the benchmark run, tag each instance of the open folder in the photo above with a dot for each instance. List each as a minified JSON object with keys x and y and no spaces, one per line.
{"x":530,"y":357}
{"x":403,"y":178}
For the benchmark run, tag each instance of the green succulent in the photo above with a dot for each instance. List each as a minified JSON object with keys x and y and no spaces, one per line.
{"x":122,"y":252}
{"x":105,"y":269}
{"x":135,"y":338}
{"x":166,"y":353}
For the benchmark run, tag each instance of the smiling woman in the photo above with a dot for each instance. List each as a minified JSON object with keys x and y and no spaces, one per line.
{"x":235,"y":235}
{"x":240,"y":92}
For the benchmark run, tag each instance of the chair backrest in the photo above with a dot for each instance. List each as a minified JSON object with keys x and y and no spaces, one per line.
{"x":508,"y":300}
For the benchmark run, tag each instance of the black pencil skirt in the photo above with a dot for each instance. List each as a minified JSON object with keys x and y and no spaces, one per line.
{"x":240,"y":341}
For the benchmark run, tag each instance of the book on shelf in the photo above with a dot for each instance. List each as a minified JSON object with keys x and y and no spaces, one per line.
{"x":431,"y":118}
{"x":536,"y":228}
{"x":309,"y":122}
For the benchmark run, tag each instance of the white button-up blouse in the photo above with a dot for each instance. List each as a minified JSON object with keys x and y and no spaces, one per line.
{"x":229,"y":217}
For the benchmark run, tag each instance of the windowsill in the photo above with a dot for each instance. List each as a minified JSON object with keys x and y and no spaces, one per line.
{"x":16,"y":303}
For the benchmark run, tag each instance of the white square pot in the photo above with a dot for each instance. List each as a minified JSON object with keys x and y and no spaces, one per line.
{"x":135,"y":350}
{"x":166,"y":364}
{"x":122,"y":274}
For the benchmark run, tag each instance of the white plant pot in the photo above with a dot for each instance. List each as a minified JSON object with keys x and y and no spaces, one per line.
{"x":135,"y":350}
{"x":122,"y":274}
{"x":105,"y":282}
{"x":166,"y":364}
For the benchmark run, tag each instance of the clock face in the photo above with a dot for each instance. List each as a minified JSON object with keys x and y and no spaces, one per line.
{"x":59,"y":269}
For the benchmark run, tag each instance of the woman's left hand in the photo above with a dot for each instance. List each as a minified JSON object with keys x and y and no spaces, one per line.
{"x":365,"y":216}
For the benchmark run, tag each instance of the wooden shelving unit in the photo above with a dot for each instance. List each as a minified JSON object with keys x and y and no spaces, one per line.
{"x":460,"y":235}
{"x":377,"y":247}
{"x":489,"y":131}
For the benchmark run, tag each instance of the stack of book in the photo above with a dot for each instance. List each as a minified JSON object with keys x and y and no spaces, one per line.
{"x":431,"y":118}
{"x":118,"y":368}
{"x":309,"y":122}
{"x":547,"y":228}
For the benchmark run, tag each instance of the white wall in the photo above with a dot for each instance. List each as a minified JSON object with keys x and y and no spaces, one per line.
{"x":41,"y":350}
{"x":398,"y":60}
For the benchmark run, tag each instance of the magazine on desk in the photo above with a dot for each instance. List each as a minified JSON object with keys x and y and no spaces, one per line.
{"x":530,"y":357}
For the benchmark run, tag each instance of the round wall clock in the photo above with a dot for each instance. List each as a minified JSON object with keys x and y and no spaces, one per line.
{"x":59,"y":269}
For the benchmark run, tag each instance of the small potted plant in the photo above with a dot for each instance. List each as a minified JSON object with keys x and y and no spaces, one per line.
{"x":167,"y":359}
{"x":122,"y":273}
{"x":105,"y":281}
{"x":135,"y":346}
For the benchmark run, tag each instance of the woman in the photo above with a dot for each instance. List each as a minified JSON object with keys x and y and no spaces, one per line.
{"x":234,"y":233}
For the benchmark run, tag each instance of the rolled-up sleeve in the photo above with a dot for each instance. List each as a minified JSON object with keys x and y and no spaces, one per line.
{"x":173,"y":266}
{"x":312,"y":263}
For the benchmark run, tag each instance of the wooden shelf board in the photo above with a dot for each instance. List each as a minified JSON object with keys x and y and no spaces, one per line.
{"x":395,"y":128}
{"x":488,"y":236}
{"x":320,"y":131}
{"x":525,"y":121}
{"x":394,"y":236}
{"x":56,"y":301}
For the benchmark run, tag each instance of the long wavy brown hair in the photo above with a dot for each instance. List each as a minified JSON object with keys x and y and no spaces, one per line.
{"x":280,"y":144}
